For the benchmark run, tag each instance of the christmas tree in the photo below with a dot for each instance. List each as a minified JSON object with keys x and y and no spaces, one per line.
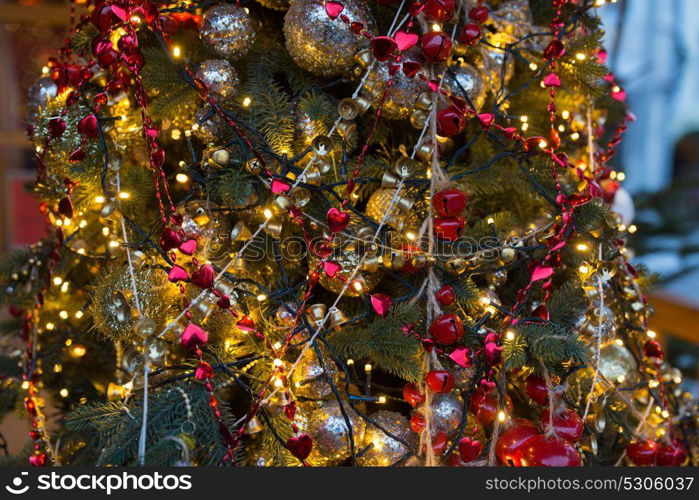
{"x":335,"y":232}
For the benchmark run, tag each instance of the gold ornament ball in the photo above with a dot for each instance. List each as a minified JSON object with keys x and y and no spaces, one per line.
{"x":378,"y":204}
{"x":228,"y":30}
{"x":321,"y":45}
{"x":328,"y":428}
{"x":403,"y":93}
{"x":385,"y":450}
{"x":220,"y":78}
{"x":308,"y":380}
{"x":616,"y":361}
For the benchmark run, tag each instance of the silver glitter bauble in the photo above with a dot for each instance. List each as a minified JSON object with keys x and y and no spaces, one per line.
{"x":208,"y":126}
{"x":308,"y":379}
{"x":497,"y":64}
{"x":385,"y":450}
{"x":616,"y":362}
{"x":321,"y":45}
{"x":228,"y":30}
{"x":465,"y":79}
{"x":404,"y":91}
{"x":40,"y":93}
{"x":328,"y":428}
{"x":447,"y":411}
{"x":220,"y":78}
{"x":601,"y":321}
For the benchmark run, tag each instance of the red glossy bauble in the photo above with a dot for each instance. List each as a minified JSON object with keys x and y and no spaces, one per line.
{"x":447,"y":329}
{"x":567,"y":424}
{"x":439,"y":10}
{"x":511,"y":441}
{"x":412,"y":395}
{"x":535,"y":387}
{"x":449,"y":202}
{"x":445,"y":295}
{"x":642,"y":452}
{"x":450,"y":121}
{"x":541,"y":451}
{"x":436,"y":46}
{"x":479,"y":14}
{"x":440,"y":381}
{"x":449,"y":228}
{"x":671,"y":454}
{"x":485,"y":405}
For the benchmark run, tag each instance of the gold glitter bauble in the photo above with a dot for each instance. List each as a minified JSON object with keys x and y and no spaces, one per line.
{"x":404,"y":91}
{"x":328,"y":428}
{"x":308,"y":379}
{"x":616,"y":361}
{"x":464,"y":78}
{"x":220,"y":78}
{"x":228,"y":30}
{"x":321,"y":45}
{"x":156,"y":300}
{"x":378,"y":204}
{"x":385,"y":450}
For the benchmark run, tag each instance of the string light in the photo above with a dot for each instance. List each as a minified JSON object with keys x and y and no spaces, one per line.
{"x":176,"y":51}
{"x":247,"y":101}
{"x":182,"y":178}
{"x":510,"y":335}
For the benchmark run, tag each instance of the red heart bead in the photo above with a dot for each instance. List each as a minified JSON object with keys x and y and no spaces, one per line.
{"x":447,"y":329}
{"x":300,"y":446}
{"x":65,"y":207}
{"x":333,"y":9}
{"x":567,"y":424}
{"x":177,"y":273}
{"x":449,"y":202}
{"x":204,"y":371}
{"x":204,"y":277}
{"x":642,"y":452}
{"x":381,"y":303}
{"x":436,"y":45}
{"x":541,"y":451}
{"x":188,"y":247}
{"x":445,"y":295}
{"x":469,"y":449}
{"x":405,"y":40}
{"x":193,"y":336}
{"x":410,"y":68}
{"x":535,"y":388}
{"x":449,"y":228}
{"x":56,"y":127}
{"x":170,"y":239}
{"x":513,"y":439}
{"x":554,"y":50}
{"x":486,"y":120}
{"x":440,"y":381}
{"x":337,"y":220}
{"x":38,"y":460}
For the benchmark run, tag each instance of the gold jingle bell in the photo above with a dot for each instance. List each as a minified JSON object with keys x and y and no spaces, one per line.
{"x":424,"y":101}
{"x":348,"y":109}
{"x":115,"y":392}
{"x":240,"y":232}
{"x":274,"y":227}
{"x":219,"y":158}
{"x":418,"y":118}
{"x":322,"y":145}
{"x":337,"y":318}
{"x":346,"y":128}
{"x":253,"y":426}
{"x":364,"y":57}
{"x":122,"y":307}
{"x":404,"y":167}
{"x":316,"y":313}
{"x":145,"y":328}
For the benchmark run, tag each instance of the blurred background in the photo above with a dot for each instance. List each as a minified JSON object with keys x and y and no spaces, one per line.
{"x":653,"y":49}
